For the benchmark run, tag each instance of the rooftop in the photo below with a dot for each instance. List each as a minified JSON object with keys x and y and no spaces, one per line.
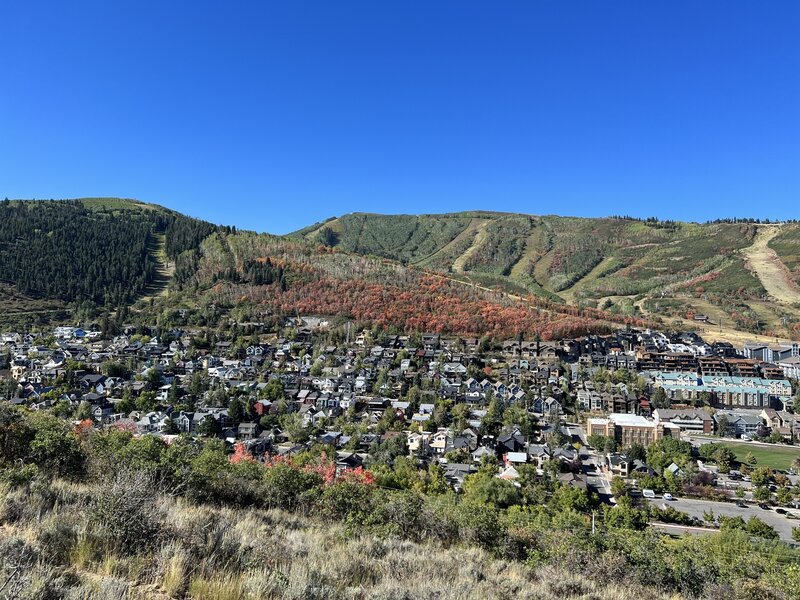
{"x":627,"y":420}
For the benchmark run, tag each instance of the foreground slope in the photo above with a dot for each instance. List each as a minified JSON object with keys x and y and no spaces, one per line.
{"x":211,"y":553}
{"x":102,"y":514}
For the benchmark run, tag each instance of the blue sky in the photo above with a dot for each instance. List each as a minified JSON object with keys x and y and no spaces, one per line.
{"x":271,"y":116}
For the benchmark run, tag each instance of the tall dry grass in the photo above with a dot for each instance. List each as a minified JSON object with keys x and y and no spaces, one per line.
{"x":50,"y":547}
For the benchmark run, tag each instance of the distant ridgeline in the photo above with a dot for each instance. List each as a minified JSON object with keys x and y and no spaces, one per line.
{"x":102,"y":250}
{"x":575,"y":274}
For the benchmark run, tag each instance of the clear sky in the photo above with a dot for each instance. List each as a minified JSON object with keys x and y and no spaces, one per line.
{"x":274,"y":115}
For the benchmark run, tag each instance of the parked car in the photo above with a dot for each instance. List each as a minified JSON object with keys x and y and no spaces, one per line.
{"x":780,"y":511}
{"x":741,"y":504}
{"x":764,"y":506}
{"x":669,"y":497}
{"x":648,"y":493}
{"x":746,"y":438}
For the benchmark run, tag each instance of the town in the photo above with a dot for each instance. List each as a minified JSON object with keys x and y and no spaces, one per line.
{"x":704,"y":432}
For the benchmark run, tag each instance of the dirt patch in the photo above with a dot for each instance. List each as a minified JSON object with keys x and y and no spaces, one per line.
{"x":469,"y":230}
{"x":768,"y":267}
{"x":480,"y":237}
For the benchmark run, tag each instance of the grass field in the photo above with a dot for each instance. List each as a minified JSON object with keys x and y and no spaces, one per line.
{"x":777,"y":457}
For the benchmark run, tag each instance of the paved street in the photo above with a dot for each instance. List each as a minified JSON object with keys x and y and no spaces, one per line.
{"x":695,"y":508}
{"x":595,"y":478}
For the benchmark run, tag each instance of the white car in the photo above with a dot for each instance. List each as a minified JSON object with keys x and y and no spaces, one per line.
{"x":648,"y":493}
{"x":668,"y":497}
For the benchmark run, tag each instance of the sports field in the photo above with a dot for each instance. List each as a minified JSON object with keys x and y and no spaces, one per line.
{"x":778,"y":457}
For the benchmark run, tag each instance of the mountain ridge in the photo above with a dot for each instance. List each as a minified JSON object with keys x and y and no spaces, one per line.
{"x":637,"y":267}
{"x":687,"y":274}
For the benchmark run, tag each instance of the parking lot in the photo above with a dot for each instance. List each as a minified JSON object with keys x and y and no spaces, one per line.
{"x":696,"y":508}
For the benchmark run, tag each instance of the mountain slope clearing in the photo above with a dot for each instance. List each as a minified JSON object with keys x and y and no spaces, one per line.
{"x":767,"y":266}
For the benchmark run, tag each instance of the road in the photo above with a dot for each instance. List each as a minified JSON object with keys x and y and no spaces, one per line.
{"x":596,"y":479}
{"x":696,"y":508}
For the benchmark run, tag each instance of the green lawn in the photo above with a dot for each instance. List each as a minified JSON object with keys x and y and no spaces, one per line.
{"x":777,"y":457}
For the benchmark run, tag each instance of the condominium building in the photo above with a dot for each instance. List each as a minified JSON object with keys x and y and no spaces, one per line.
{"x":631,"y":429}
{"x":745,"y":392}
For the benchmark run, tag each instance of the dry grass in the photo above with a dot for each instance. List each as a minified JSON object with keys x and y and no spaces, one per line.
{"x":227,"y":554}
{"x":768,"y":267}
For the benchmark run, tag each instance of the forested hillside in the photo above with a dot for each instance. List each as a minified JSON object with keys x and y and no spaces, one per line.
{"x":401,"y":270}
{"x":628,"y":266}
{"x":103,"y":251}
{"x":252,"y":276}
{"x":109,"y":252}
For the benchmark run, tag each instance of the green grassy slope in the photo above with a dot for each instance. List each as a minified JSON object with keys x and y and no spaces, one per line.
{"x":610,"y":262}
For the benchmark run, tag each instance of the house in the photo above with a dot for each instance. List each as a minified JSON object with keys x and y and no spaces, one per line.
{"x":547,"y":406}
{"x":538,"y":454}
{"x":788,"y":426}
{"x":431,"y":341}
{"x":618,"y":464}
{"x":508,"y":473}
{"x":739,"y":422}
{"x":152,"y":422}
{"x":248,"y":431}
{"x":574,"y":480}
{"x":515,"y":458}
{"x":188,"y":422}
{"x":349,"y":460}
{"x":102,"y":412}
{"x":262,"y":407}
{"x":330,"y":438}
{"x":466,"y":440}
{"x":439,"y":441}
{"x":402,"y":408}
{"x":510,"y":441}
{"x":455,"y":473}
{"x":480,"y":452}
{"x":568,"y":455}
{"x":418,"y":442}
{"x":674,"y":470}
{"x":771,"y":418}
{"x":454,"y":369}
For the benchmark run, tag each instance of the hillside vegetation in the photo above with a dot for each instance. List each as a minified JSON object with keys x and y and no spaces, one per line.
{"x":251,"y":276}
{"x":613,"y":263}
{"x":104,"y":515}
{"x":101,"y":251}
{"x":561,"y":275}
{"x":96,"y":255}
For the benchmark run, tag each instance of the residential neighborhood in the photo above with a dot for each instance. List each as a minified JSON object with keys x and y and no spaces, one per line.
{"x":576,"y":407}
